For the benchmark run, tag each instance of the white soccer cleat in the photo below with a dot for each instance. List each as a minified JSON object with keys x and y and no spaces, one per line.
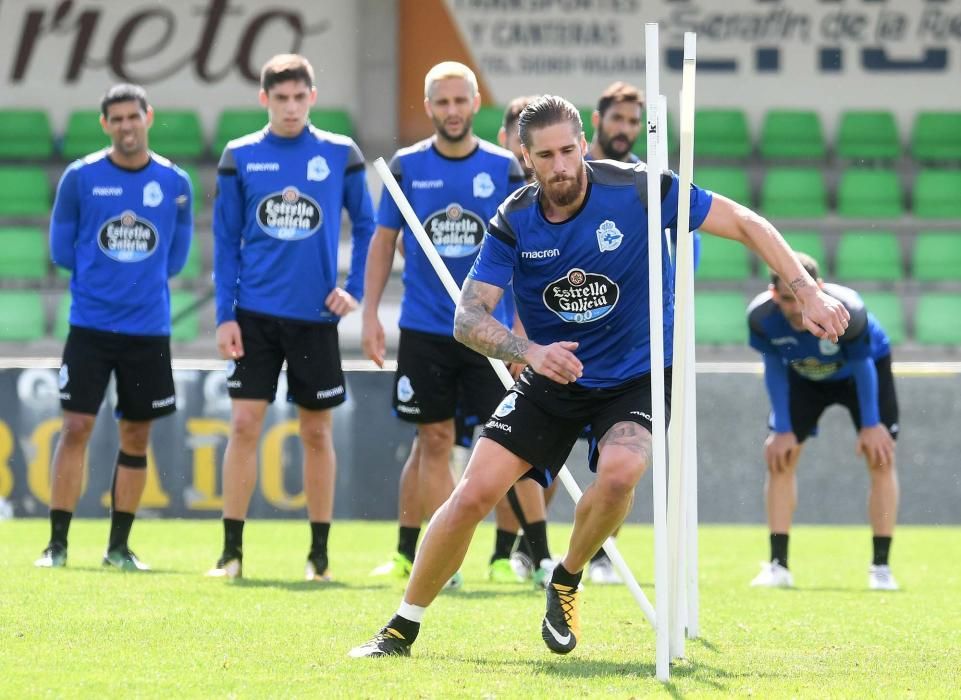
{"x":880,"y":578}
{"x":773,"y":575}
{"x":228,"y":568}
{"x":603,"y":572}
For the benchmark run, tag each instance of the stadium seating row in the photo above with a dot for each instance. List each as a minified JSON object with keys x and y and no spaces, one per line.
{"x":786,"y":192}
{"x":719,"y":317}
{"x":22,"y":316}
{"x":860,"y":256}
{"x":790,"y":134}
{"x":26,"y":134}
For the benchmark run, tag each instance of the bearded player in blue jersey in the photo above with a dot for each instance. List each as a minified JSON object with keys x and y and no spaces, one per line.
{"x":575,"y":245}
{"x":454,"y":182}
{"x":280,"y":194}
{"x":122,"y":225}
{"x":804,"y":375}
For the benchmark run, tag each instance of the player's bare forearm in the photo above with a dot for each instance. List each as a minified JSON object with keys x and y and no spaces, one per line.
{"x":475,"y":327}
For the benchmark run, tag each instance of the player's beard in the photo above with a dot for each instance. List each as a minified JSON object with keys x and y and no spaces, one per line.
{"x":562,"y":193}
{"x":448,"y":136}
{"x":614,"y":147}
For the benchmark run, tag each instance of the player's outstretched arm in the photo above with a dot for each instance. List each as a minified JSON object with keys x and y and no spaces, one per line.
{"x":475,"y":327}
{"x":824,"y":316}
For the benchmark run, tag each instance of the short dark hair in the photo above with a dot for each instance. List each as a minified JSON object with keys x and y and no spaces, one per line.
{"x":284,"y":67}
{"x":514,"y":109}
{"x":619,"y":92}
{"x":807,"y":262}
{"x":547,"y":110}
{"x":123,"y":92}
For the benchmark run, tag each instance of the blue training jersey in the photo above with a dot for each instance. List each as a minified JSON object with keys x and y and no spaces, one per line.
{"x":277,"y":223}
{"x":123,"y":233}
{"x":785,"y":349}
{"x":453,"y":198}
{"x":586,"y":279}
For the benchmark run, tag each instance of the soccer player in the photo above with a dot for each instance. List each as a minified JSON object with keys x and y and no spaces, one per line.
{"x":454,"y":182}
{"x":122,"y":225}
{"x":280,"y":194}
{"x":804,"y":375}
{"x":575,"y":244}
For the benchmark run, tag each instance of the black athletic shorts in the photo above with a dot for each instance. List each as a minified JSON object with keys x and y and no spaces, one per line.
{"x":315,"y":379}
{"x":145,"y":382}
{"x":540,"y":420}
{"x":808,"y":399}
{"x":438,"y":377}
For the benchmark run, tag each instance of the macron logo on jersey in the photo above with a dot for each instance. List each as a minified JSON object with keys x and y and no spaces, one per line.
{"x":540,"y":254}
{"x":786,"y":340}
{"x":263,"y":167}
{"x":107,"y":191}
{"x":427,"y":184}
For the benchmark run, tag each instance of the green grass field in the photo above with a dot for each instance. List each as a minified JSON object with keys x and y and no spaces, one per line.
{"x":88,"y":632}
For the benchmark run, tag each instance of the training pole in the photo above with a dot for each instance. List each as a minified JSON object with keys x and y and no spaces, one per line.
{"x":686,"y":174}
{"x":655,"y":235}
{"x":417,"y":228}
{"x":683,"y":429}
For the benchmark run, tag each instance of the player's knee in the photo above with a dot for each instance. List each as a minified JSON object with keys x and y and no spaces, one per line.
{"x":76,"y":427}
{"x":245,"y":425}
{"x":619,"y":477}
{"x":436,"y":438}
{"x":134,"y":436}
{"x":316,"y":437}
{"x":470,"y":505}
{"x":880,"y":470}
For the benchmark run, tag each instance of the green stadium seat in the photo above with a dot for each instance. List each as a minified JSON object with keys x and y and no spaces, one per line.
{"x":938,"y":319}
{"x":188,"y":327}
{"x":234,"y":123}
{"x":177,"y":134}
{"x":24,"y":192}
{"x":868,"y":255}
{"x":83,"y":134}
{"x":792,"y":134}
{"x":809,"y":242}
{"x":937,"y":256}
{"x":887,"y":309}
{"x":197,"y":186}
{"x":25,"y":134}
{"x":722,"y":259}
{"x":194,"y":264}
{"x":936,"y":136}
{"x":488,"y":121}
{"x":868,"y":135}
{"x":21,"y":316}
{"x":721,"y":133}
{"x":336,"y":120}
{"x":23,"y":253}
{"x":870,"y":194}
{"x":719,"y":318}
{"x":586,"y":114}
{"x":937,"y":194}
{"x":61,"y":319}
{"x":794,"y":193}
{"x":731,"y":182}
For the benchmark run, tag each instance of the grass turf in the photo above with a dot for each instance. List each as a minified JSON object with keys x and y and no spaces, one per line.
{"x":84,"y":631}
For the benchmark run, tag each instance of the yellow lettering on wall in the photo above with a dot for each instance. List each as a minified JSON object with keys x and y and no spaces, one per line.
{"x":202,"y":432}
{"x":272,"y":466}
{"x":6,"y":450}
{"x":38,"y":469}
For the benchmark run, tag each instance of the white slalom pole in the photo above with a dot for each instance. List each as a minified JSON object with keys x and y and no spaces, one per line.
{"x":655,"y":234}
{"x":500,"y":368}
{"x":686,"y":174}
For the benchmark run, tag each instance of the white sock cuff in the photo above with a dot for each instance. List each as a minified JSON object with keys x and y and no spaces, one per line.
{"x":414,"y":613}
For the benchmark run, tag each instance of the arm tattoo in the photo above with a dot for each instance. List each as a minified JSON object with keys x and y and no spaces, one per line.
{"x":797,"y":283}
{"x":477,"y":329}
